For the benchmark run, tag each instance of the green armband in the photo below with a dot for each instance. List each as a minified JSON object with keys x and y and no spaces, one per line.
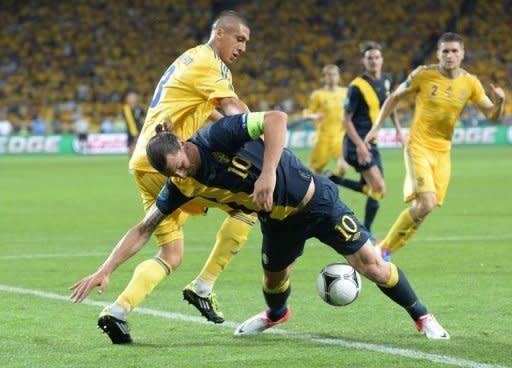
{"x":255,"y":124}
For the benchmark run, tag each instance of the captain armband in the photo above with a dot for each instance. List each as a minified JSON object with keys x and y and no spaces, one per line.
{"x":255,"y":124}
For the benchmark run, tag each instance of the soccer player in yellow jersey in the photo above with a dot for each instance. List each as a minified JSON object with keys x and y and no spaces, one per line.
{"x":326,"y":110}
{"x":189,"y":92}
{"x":442,"y":90}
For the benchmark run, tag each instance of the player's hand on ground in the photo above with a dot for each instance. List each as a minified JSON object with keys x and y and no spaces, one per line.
{"x":83,"y":287}
{"x":363,"y":155}
{"x":263,"y":194}
{"x":497,"y":94}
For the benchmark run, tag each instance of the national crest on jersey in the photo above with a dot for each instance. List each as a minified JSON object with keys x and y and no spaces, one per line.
{"x":186,"y":95}
{"x":439,"y":102}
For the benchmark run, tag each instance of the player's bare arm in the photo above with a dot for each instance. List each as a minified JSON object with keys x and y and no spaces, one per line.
{"x":492,"y":106}
{"x":388,"y":107}
{"x":130,"y":244}
{"x":363,"y":155}
{"x":274,"y":132}
{"x":398,"y":127}
{"x":233,"y":106}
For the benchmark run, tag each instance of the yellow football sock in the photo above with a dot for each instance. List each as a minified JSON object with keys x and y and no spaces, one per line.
{"x":401,"y":231}
{"x":145,"y":277}
{"x":341,"y":171}
{"x":231,"y":236}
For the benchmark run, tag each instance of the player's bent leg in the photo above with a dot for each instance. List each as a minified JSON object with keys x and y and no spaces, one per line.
{"x":393,"y":283}
{"x":276,"y":290}
{"x":407,"y":223}
{"x":376,"y":191}
{"x":231,"y":237}
{"x":146,"y":276}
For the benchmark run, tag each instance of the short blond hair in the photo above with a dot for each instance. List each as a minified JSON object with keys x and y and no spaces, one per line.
{"x":330,"y":67}
{"x":229,"y":20}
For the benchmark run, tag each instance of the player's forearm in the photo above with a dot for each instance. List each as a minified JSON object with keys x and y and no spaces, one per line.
{"x":396,"y":121}
{"x":274,"y":134}
{"x":129,"y":245}
{"x":387,"y":108}
{"x":497,"y":111}
{"x":351,"y":132}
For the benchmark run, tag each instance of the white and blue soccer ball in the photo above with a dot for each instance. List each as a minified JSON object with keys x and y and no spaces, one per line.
{"x":338,"y":284}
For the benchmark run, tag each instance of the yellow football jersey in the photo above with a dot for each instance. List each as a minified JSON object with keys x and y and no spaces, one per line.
{"x":186,"y":95}
{"x":439,"y":102}
{"x":330,"y":104}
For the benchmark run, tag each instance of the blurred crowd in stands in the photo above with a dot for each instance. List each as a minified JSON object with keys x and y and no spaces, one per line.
{"x":61,"y":62}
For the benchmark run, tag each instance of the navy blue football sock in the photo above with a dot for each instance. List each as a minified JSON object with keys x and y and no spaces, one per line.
{"x":372,"y":206}
{"x":403,"y":294}
{"x":347,"y":183}
{"x":276,"y":303}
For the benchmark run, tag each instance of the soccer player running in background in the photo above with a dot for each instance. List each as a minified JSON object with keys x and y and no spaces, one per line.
{"x":442,"y":90}
{"x":133,"y":115}
{"x":195,"y":84}
{"x":366,"y":94}
{"x":229,"y":165}
{"x":325,"y":109}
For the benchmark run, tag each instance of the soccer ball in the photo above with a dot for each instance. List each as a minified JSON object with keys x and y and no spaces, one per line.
{"x":338,"y":284}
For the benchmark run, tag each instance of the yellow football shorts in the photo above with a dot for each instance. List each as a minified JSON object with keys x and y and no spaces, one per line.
{"x":426,"y":171}
{"x":327,"y":145}
{"x":150,"y":184}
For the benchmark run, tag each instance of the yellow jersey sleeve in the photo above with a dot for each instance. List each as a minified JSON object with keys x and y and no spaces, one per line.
{"x":314,"y":103}
{"x":478,"y":93}
{"x":216,"y":83}
{"x":414,"y":79}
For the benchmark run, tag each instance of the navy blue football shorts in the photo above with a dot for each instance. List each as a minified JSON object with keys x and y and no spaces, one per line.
{"x":350,"y":155}
{"x":325,"y":217}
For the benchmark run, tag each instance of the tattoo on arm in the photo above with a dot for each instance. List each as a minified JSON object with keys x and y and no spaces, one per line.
{"x":152,"y":220}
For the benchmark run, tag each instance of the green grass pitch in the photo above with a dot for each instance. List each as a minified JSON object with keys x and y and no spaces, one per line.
{"x":61,"y":216}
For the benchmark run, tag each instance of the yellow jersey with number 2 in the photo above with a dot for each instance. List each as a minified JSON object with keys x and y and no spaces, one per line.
{"x":439,"y":102}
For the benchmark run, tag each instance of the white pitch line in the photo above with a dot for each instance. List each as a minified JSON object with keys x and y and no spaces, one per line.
{"x":408,"y":353}
{"x":203,"y":249}
{"x":85,"y":254}
{"x":467,"y":238}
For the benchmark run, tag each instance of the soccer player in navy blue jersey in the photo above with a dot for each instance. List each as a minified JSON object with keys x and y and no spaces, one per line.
{"x":227,"y":165}
{"x":366,"y":94}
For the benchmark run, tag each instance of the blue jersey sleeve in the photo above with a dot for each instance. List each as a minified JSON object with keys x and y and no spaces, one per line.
{"x":170,"y":198}
{"x":230,"y":133}
{"x":352,"y":99}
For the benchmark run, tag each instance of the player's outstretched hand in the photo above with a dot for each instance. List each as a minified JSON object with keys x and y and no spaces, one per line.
{"x":83,"y":287}
{"x":497,"y":93}
{"x":370,"y":137}
{"x":263,"y":194}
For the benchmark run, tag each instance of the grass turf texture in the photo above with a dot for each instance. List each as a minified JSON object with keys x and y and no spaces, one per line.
{"x":68,"y":213}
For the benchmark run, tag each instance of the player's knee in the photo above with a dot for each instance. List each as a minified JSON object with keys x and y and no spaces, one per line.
{"x":173,"y":255}
{"x":377,"y":272}
{"x":425,"y":205}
